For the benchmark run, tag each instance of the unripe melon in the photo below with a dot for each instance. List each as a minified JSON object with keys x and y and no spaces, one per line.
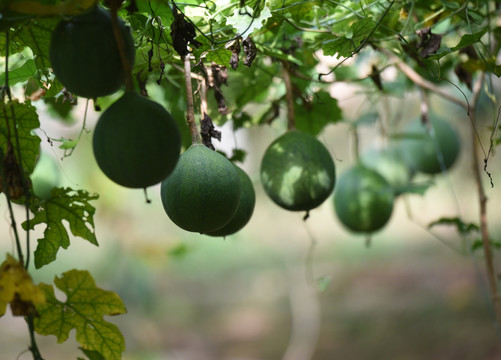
{"x":297,"y":172}
{"x":84,"y":54}
{"x":136,"y":142}
{"x":244,"y":210}
{"x":430,"y":149}
{"x":203,"y":192}
{"x":363,"y":200}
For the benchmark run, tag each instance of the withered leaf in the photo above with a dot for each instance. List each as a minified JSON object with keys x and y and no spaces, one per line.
{"x":250,"y":51}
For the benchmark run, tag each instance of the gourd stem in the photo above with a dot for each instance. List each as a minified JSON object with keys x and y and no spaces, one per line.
{"x":126,"y":64}
{"x":190,"y":112}
{"x":482,"y":199}
{"x":289,"y":95}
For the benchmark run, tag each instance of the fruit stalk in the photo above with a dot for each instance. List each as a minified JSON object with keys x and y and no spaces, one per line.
{"x":126,"y":65}
{"x":190,"y":115}
{"x":289,"y":95}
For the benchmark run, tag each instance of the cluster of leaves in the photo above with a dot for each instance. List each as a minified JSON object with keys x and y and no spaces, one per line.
{"x":240,"y":48}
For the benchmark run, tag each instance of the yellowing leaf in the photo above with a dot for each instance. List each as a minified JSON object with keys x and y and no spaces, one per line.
{"x":17,"y":288}
{"x":82,"y":310}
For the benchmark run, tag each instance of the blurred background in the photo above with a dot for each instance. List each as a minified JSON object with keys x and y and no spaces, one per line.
{"x":283,"y":288}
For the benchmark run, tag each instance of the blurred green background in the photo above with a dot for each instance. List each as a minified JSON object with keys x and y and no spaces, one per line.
{"x":283,"y":288}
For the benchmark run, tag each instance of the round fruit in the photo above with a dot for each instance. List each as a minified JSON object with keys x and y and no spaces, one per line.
{"x":389,"y":163}
{"x":45,"y":176}
{"x":429,"y":151}
{"x":297,"y":172}
{"x":136,"y":142}
{"x":203,"y":192}
{"x":363,"y":200}
{"x":244,"y":210}
{"x":84,"y":54}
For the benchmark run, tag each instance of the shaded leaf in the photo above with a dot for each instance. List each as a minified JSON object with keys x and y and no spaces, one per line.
{"x":462,"y":227}
{"x":64,"y":205}
{"x":313,"y":117}
{"x":37,"y":35}
{"x":245,"y":23}
{"x":82,"y":310}
{"x":48,"y":8}
{"x":479,"y":244}
{"x":16,"y":287}
{"x":26,"y":119}
{"x":21,"y":73}
{"x":220,"y":56}
{"x":466,"y":40}
{"x":92,"y":355}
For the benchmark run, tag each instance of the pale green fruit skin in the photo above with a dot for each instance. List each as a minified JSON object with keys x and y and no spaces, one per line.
{"x":297,"y":172}
{"x":245,"y":207}
{"x":203,"y":192}
{"x":363,"y":200}
{"x":136,"y":142}
{"x":45,"y":176}
{"x":426,"y":154}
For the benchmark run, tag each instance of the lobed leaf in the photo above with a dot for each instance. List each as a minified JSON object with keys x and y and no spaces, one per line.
{"x":322,"y":110}
{"x":24,"y":118}
{"x":83,"y":310}
{"x":65,"y":204}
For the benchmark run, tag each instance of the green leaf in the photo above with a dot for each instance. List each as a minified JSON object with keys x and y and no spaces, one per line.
{"x":246,"y":24}
{"x":313,"y":117}
{"x":64,"y":205}
{"x":26,"y":119}
{"x":179,"y":251}
{"x":340,"y":46}
{"x":298,"y":10}
{"x":21,"y":73}
{"x":36,"y":35}
{"x":469,"y":39}
{"x":466,"y":40}
{"x":68,"y":144}
{"x":92,"y":355}
{"x":479,"y":244}
{"x":462,"y":227}
{"x":278,"y":54}
{"x":82,"y":310}
{"x":220,"y":56}
{"x":347,"y":45}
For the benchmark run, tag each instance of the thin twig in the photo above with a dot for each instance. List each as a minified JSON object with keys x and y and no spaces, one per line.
{"x":482,"y":198}
{"x":422,"y":82}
